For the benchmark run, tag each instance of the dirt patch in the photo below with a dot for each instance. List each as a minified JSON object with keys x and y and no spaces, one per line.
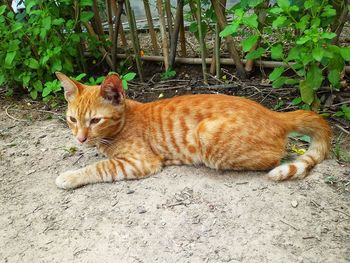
{"x":183,"y":214}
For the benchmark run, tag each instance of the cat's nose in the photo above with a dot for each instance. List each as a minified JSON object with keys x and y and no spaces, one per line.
{"x":82,"y":139}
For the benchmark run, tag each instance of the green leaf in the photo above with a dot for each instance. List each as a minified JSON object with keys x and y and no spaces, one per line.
{"x":255,"y":53}
{"x":16,"y":26}
{"x":302,"y":40}
{"x":99,"y":80}
{"x":279,"y":82}
{"x":284,"y":4}
{"x":25,"y":80}
{"x":125,"y":84}
{"x":328,"y":35}
{"x":279,"y":21}
{"x":275,"y":10}
{"x":306,"y":91}
{"x":2,"y":79}
{"x":32,"y":63}
{"x":33,"y":94}
{"x":2,"y":9}
{"x":308,"y":4}
{"x":292,"y":81}
{"x":230,"y":29}
{"x":239,"y":13}
{"x":317,"y":53}
{"x":302,"y":23}
{"x":276,"y":73}
{"x":80,"y":76}
{"x":47,"y":90}
{"x":129,"y":76}
{"x":38,"y":86}
{"x":251,"y":21}
{"x":9,"y":58}
{"x":193,"y":27}
{"x":277,"y":52}
{"x":293,"y":54}
{"x":249,"y":42}
{"x":314,"y":76}
{"x":58,"y":21}
{"x":345,"y":53}
{"x":329,"y":11}
{"x":346,"y":111}
{"x":334,"y":78}
{"x":84,"y":3}
{"x":297,"y":101}
{"x":254,"y":3}
{"x":86,"y":16}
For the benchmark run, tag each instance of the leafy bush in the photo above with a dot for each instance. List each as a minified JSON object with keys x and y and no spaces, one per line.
{"x":43,"y":39}
{"x":305,"y":26}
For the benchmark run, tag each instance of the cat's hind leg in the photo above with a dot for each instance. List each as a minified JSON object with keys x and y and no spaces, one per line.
{"x":110,"y":170}
{"x":239,"y":143}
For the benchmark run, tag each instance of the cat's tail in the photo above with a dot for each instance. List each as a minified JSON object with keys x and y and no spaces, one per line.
{"x":317,"y":128}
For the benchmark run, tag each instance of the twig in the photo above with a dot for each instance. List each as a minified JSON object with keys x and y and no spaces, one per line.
{"x":342,"y":129}
{"x":334,"y":209}
{"x":290,"y":225}
{"x":10,"y":116}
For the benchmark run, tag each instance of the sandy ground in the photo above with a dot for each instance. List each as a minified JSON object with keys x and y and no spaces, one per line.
{"x":183,"y":214}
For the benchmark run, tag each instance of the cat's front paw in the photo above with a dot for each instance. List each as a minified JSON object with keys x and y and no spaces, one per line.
{"x":68,"y":180}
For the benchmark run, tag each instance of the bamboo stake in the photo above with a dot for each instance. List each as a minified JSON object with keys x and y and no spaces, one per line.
{"x":217,"y":51}
{"x":133,"y":32}
{"x":169,"y":18}
{"x":231,"y":46}
{"x":194,"y":11}
{"x":342,"y":14}
{"x":174,"y":38}
{"x":120,"y":29}
{"x":151,"y":27}
{"x":213,"y":66}
{"x":201,"y":42}
{"x":97,"y":19}
{"x":223,"y":61}
{"x":101,"y":48}
{"x":110,"y":19}
{"x":182,"y":35}
{"x":118,"y":14}
{"x":163,"y":33}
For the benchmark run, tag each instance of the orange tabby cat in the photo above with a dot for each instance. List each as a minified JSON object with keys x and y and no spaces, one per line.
{"x":219,"y":131}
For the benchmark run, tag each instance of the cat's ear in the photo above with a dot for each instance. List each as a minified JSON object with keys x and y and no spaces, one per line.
{"x":71,"y":87}
{"x":112,"y":89}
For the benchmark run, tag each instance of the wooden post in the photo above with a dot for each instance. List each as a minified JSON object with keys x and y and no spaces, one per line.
{"x":97,"y":19}
{"x":169,"y":18}
{"x":174,"y":38}
{"x":182,"y":36}
{"x":101,"y":48}
{"x":110,"y":19}
{"x":201,"y":41}
{"x":117,"y":14}
{"x":163,"y":33}
{"x":151,"y":27}
{"x":231,"y":45}
{"x":133,"y":32}
{"x":217,"y":51}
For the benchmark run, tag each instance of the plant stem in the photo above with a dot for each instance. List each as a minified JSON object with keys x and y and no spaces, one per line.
{"x":201,"y":41}
{"x":151,"y":27}
{"x":163,"y":33}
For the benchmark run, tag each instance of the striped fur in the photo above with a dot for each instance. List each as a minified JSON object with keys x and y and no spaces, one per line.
{"x":222,"y":132}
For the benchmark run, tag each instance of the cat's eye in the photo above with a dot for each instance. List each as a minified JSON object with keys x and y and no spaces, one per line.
{"x":95,"y":120}
{"x":72,"y":119}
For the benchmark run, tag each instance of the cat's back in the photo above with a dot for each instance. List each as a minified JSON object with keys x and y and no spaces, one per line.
{"x":207,"y":103}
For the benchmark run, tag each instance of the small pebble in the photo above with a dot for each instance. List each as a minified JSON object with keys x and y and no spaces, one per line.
{"x":141,"y":210}
{"x":130,"y":192}
{"x":294,"y":203}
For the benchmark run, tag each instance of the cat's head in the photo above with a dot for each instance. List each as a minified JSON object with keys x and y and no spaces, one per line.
{"x":95,"y":114}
